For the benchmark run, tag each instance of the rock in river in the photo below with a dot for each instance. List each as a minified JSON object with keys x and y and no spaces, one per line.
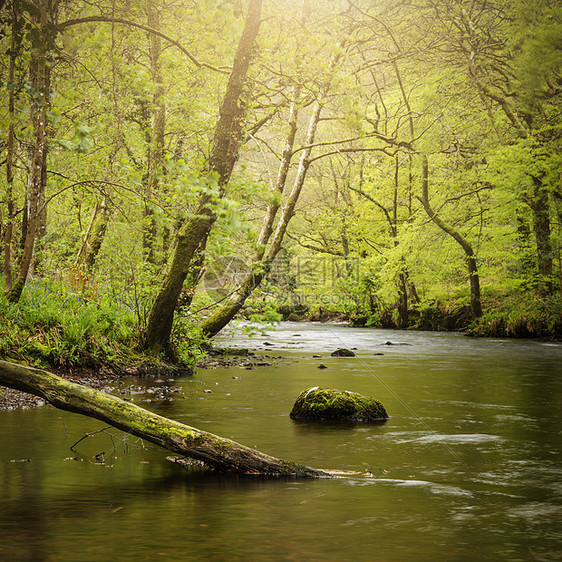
{"x":326,"y":404}
{"x":342,"y":352}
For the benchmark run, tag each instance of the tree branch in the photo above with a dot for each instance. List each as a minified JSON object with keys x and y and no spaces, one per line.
{"x":107,"y":19}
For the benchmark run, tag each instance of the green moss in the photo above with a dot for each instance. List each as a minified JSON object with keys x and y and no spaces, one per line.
{"x":337,"y":405}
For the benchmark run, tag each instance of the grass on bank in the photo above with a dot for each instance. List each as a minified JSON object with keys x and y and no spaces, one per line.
{"x":54,"y":326}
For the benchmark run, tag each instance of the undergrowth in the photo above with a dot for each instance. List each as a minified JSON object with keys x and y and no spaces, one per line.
{"x":523,"y":315}
{"x":54,"y":326}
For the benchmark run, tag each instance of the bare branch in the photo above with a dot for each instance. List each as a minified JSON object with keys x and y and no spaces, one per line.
{"x":107,"y":19}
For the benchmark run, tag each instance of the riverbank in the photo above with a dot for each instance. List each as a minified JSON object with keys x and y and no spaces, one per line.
{"x":519,"y":315}
{"x":119,"y":380}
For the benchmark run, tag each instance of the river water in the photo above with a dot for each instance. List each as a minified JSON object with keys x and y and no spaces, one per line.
{"x":468,"y":467}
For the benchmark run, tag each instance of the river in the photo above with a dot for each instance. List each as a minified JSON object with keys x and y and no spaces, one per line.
{"x":468,"y":467}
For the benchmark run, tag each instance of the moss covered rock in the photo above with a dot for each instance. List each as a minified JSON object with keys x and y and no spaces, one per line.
{"x":342,"y":352}
{"x":326,"y":404}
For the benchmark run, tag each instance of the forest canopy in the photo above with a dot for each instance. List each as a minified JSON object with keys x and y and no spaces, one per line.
{"x":167,"y":166}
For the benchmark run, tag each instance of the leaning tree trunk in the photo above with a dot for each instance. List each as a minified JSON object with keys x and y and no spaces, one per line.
{"x":222,"y":317}
{"x":226,"y":313}
{"x":217,"y":452}
{"x":216,"y":322}
{"x":224,"y":154}
{"x":475,"y":301}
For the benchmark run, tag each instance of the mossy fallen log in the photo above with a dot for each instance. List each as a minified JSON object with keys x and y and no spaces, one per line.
{"x":215,"y":451}
{"x":327,"y":404}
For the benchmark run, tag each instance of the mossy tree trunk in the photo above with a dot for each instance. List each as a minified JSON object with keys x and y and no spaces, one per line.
{"x":39,"y":76}
{"x":8,"y":227}
{"x":96,"y":234}
{"x":217,"y":452}
{"x":224,"y":153}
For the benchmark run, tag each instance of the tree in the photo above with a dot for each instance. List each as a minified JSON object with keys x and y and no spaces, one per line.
{"x":270,"y":239}
{"x":475,"y":302}
{"x":43,"y":14}
{"x":158,"y":129}
{"x":224,"y":153}
{"x":495,"y":47}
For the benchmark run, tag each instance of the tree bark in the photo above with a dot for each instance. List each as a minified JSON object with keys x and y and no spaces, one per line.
{"x":9,"y":225}
{"x":220,"y":453}
{"x":96,"y":235}
{"x":223,"y":156}
{"x":541,"y":225}
{"x":40,"y":79}
{"x":475,"y":301}
{"x":158,"y":130}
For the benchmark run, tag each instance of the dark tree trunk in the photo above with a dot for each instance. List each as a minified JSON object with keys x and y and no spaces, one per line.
{"x":9,"y":224}
{"x":39,"y":103}
{"x":403,"y":315}
{"x":541,"y":226}
{"x":475,"y":301}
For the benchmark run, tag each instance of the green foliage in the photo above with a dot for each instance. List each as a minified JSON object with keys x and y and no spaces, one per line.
{"x":188,"y":345}
{"x":401,"y":89}
{"x":524,"y":315}
{"x":56,"y":327}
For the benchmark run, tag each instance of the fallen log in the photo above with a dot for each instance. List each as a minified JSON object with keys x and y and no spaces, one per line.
{"x":215,"y":451}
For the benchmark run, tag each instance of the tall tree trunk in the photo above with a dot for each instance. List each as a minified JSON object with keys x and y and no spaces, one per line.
{"x":41,"y":224}
{"x":541,"y":226}
{"x":220,"y":453}
{"x":9,"y":224}
{"x":279,"y":188}
{"x":475,"y":301}
{"x":223,"y":156}
{"x":158,"y":129}
{"x":40,"y":80}
{"x":403,"y":314}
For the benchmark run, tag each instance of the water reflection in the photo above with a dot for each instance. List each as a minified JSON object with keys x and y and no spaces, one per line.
{"x":467,"y":467}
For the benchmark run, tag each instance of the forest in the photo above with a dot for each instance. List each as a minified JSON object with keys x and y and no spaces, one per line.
{"x":168,"y":166}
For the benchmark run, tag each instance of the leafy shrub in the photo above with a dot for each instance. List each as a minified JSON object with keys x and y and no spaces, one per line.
{"x":54,"y":326}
